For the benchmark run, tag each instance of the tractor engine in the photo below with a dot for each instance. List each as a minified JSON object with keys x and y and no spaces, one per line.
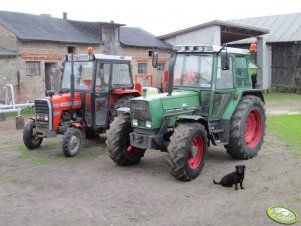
{"x":53,"y":111}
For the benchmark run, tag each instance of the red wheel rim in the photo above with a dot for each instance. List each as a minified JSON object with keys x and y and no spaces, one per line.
{"x":132,"y":150}
{"x":196,"y":152}
{"x":254,"y":128}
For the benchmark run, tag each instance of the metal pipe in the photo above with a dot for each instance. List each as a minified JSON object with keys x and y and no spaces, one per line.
{"x":72,"y":81}
{"x":16,"y":105}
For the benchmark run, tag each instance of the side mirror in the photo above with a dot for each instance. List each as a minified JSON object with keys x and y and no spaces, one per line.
{"x":225,"y":62}
{"x":155,"y":59}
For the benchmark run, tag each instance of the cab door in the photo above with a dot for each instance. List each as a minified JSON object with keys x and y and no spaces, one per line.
{"x":224,"y":89}
{"x":100,"y":99}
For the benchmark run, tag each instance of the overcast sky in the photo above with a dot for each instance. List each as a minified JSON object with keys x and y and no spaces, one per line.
{"x":155,"y":16}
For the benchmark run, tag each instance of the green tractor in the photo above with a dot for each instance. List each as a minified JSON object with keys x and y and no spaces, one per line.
{"x":210,"y":100}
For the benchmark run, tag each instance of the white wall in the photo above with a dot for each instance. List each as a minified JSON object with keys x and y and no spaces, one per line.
{"x":209,"y":35}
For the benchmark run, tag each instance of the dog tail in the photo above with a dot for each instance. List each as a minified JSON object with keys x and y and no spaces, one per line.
{"x":216,"y":182}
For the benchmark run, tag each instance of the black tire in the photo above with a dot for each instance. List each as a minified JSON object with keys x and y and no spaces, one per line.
{"x":124,"y":101}
{"x":247,"y":128}
{"x":72,"y":142}
{"x":118,"y":142}
{"x":30,"y":139}
{"x":183,"y":163}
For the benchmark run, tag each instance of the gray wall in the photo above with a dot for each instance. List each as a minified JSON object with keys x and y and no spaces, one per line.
{"x":209,"y":35}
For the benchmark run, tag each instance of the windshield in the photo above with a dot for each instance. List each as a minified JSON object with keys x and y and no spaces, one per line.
{"x":193,"y":70}
{"x":83,"y":72}
{"x":121,"y":76}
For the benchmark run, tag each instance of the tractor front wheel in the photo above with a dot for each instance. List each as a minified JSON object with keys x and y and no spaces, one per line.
{"x":30,"y":138}
{"x":187,"y":151}
{"x":72,"y":142}
{"x":118,"y":142}
{"x":247,"y":128}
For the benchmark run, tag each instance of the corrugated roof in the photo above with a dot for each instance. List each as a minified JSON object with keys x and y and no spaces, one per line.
{"x":133,"y":36}
{"x":7,"y":52}
{"x":283,"y":28}
{"x":44,"y":28}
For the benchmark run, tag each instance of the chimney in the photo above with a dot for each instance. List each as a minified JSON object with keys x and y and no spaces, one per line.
{"x":64,"y":15}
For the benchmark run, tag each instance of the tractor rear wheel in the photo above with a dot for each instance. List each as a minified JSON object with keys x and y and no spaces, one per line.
{"x":72,"y":142}
{"x":187,"y":151}
{"x":30,"y":138}
{"x":247,"y":128}
{"x":118,"y":142}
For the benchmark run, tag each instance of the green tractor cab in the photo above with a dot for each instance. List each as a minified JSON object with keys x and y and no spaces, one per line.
{"x":210,"y":100}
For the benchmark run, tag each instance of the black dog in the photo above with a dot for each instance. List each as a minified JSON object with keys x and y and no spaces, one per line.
{"x":233,"y":178}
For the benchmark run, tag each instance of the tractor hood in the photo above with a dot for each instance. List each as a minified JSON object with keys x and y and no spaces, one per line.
{"x":155,"y":108}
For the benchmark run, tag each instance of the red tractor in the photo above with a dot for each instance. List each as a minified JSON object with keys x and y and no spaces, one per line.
{"x":92,"y":88}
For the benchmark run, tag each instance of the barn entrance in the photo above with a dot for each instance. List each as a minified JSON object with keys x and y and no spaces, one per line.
{"x":52,"y":76}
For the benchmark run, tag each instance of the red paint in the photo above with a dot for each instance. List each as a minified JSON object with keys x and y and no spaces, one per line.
{"x":195,"y":161}
{"x":254,"y":124}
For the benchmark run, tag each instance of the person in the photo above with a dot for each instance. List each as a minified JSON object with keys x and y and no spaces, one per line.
{"x":254,"y":77}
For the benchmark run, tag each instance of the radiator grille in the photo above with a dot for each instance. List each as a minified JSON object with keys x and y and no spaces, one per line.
{"x":41,"y":106}
{"x":140,"y":110}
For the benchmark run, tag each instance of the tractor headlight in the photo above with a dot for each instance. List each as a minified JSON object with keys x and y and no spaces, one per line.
{"x":42,"y":117}
{"x":148,"y":124}
{"x":135,"y":122}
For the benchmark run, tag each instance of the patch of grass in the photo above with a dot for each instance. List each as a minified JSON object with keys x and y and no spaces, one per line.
{"x":92,"y":153}
{"x":2,"y":163}
{"x":24,"y":111}
{"x":51,"y":143}
{"x":279,"y":97}
{"x":288,"y":129}
{"x":43,"y":157}
{"x":33,"y":157}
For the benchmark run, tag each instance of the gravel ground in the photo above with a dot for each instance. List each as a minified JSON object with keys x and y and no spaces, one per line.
{"x":42,"y":187}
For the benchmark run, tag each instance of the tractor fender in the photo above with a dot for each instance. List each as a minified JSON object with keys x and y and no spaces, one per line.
{"x":32,"y":118}
{"x":123,"y":110}
{"x":194,"y":118}
{"x":254,"y":92}
{"x":78,"y":125}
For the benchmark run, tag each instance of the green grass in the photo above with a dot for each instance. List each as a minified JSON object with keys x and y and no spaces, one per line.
{"x":279,"y":97}
{"x":24,"y":111}
{"x":288,"y":129}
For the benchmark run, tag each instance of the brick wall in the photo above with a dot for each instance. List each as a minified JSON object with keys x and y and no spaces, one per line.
{"x":141,"y":55}
{"x":31,"y":87}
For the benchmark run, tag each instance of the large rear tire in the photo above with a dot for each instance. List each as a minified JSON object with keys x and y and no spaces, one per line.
{"x":72,"y":142}
{"x":187,"y":151}
{"x":118,"y":142}
{"x":247,"y":128}
{"x":30,"y":138}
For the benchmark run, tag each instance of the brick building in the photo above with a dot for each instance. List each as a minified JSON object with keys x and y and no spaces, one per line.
{"x":32,"y":48}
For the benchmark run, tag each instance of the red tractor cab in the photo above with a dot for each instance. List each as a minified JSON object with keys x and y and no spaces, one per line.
{"x":92,"y":88}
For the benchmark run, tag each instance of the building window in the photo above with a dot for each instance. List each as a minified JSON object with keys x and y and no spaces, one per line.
{"x":71,"y":49}
{"x":142,"y":68}
{"x":161,"y":66}
{"x":150,"y":53}
{"x":33,"y":68}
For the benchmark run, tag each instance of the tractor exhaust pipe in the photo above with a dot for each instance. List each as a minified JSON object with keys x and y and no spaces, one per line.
{"x":171,"y":68}
{"x":72,"y":82}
